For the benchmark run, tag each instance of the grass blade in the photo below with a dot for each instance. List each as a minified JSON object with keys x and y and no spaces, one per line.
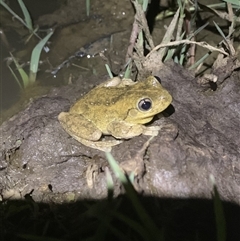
{"x":145,"y":5}
{"x":35,"y":57}
{"x":200,"y":61}
{"x":15,"y":77}
{"x":88,"y":7}
{"x":22,"y":73}
{"x":13,"y":13}
{"x":128,"y":71}
{"x":220,"y":31}
{"x":169,"y":33}
{"x":236,"y":2}
{"x":219,"y":212}
{"x":154,"y":232}
{"x":27,"y":16}
{"x":109,"y":71}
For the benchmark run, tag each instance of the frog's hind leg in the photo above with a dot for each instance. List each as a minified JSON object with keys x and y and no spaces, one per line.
{"x":78,"y":126}
{"x":100,"y":145}
{"x":85,"y":131}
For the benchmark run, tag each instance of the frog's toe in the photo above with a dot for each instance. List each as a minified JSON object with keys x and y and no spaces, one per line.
{"x":61,"y":116}
{"x":101,"y":145}
{"x":151,"y":130}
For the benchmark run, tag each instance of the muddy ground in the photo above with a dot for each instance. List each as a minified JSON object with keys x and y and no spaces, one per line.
{"x":199,"y":139}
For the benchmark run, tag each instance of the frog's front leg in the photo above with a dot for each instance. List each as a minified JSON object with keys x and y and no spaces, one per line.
{"x":117,"y":82}
{"x":85,"y":131}
{"x":151,"y":130}
{"x":122,"y":129}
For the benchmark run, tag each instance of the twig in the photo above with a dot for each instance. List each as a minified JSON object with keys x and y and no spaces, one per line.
{"x":175,"y":43}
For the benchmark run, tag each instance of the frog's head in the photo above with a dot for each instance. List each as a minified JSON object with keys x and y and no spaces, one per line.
{"x":146,"y":99}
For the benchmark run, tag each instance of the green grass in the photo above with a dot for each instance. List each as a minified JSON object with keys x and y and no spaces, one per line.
{"x":177,"y":49}
{"x":88,"y":7}
{"x":27,"y":79}
{"x":35,"y":57}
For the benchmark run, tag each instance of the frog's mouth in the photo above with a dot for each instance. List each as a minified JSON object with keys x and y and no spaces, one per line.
{"x":135,"y":116}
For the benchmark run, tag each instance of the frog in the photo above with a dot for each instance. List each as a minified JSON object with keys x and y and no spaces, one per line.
{"x":117,"y":107}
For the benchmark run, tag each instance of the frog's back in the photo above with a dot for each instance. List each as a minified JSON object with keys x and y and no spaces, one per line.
{"x":99,"y":98}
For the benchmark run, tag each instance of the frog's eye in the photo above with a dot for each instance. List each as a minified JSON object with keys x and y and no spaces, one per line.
{"x":145,"y":104}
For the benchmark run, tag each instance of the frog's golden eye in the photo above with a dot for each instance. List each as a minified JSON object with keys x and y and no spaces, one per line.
{"x":145,"y":104}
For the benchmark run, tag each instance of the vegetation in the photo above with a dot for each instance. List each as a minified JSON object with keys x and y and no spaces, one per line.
{"x":27,"y":79}
{"x":179,"y":42}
